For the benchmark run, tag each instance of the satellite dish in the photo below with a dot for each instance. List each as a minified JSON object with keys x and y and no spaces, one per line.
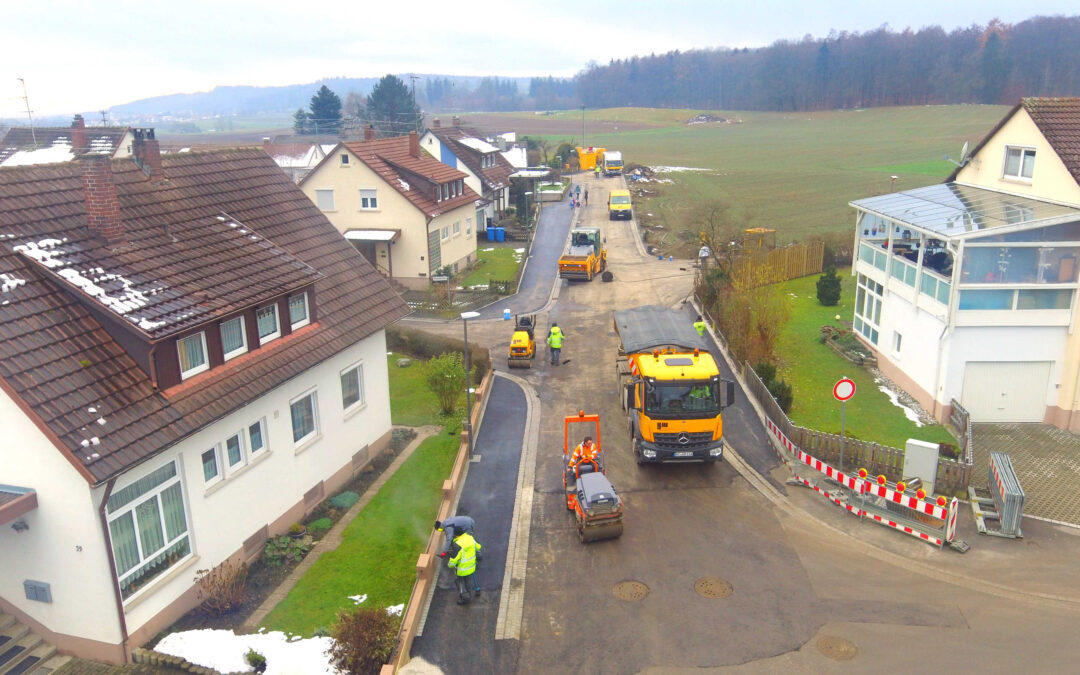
{"x":964,"y":154}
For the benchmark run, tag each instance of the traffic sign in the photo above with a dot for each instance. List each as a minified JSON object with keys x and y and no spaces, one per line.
{"x":844,"y":389}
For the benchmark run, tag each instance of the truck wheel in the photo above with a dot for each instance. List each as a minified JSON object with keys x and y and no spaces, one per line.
{"x":638,"y":457}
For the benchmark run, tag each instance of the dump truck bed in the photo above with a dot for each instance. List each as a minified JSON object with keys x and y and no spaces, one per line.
{"x":644,"y":329}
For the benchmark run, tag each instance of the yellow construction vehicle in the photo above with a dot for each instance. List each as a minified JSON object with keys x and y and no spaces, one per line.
{"x":590,"y":496}
{"x":670,"y":387}
{"x":618,"y":205}
{"x":522,"y":344}
{"x":585,"y":255}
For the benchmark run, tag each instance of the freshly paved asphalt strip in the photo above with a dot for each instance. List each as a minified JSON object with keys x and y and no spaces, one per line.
{"x":461,"y":639}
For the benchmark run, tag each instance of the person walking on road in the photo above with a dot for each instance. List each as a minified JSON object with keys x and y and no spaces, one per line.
{"x":699,"y":325}
{"x":586,"y":196}
{"x":465,"y":565}
{"x":555,"y":340}
{"x":452,"y":527}
{"x":577,"y":192}
{"x":597,"y":170}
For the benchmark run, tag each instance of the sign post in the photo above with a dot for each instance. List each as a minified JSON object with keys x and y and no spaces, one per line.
{"x":843,"y":390}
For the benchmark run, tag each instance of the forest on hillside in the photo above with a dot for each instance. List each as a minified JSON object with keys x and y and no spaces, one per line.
{"x":996,"y":63}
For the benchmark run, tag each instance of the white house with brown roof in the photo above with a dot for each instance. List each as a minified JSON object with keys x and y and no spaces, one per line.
{"x":409,"y":214}
{"x":192,"y":358}
{"x":967,"y":290}
{"x":465,"y":149}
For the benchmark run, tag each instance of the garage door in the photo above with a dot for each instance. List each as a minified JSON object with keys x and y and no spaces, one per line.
{"x":1011,"y":391}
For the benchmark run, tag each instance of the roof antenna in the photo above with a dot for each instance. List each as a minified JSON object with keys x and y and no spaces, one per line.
{"x":29,"y":112}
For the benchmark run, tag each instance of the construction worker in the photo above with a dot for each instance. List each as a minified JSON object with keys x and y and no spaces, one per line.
{"x":597,"y":170}
{"x":555,"y":340}
{"x":465,"y":565}
{"x":584,"y":452}
{"x":699,"y":391}
{"x":453,"y":526}
{"x":700,"y":326}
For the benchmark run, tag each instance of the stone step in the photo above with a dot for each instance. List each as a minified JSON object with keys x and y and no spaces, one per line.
{"x":33,"y":659}
{"x":51,"y":664}
{"x":12,"y":632}
{"x":6,"y":620}
{"x":15,"y":655}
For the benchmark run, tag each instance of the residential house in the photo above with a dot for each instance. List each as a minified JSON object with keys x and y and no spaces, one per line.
{"x":408,"y":213}
{"x":967,"y":290}
{"x":296,"y":158}
{"x":488,"y":170}
{"x":192,"y":357}
{"x":22,"y":146}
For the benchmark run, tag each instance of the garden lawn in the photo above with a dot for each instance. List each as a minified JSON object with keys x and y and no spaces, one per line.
{"x":812,"y":369}
{"x":500,"y":263}
{"x":377,"y":556}
{"x":412,"y":403}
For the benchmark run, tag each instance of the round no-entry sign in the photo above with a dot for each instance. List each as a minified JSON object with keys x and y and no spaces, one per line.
{"x":844,"y":389}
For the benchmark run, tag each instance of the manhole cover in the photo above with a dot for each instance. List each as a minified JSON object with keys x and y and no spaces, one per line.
{"x":836,"y":648}
{"x":711,"y":587}
{"x":630,"y":590}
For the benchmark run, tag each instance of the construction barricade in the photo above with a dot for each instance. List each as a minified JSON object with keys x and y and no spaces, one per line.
{"x":1005,"y":503}
{"x":876,"y":499}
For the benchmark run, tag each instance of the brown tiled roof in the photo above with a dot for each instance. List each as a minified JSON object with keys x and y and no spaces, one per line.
{"x":494,"y":177}
{"x":1059,"y":121}
{"x":79,"y":382}
{"x":390,"y":158}
{"x":102,"y":139}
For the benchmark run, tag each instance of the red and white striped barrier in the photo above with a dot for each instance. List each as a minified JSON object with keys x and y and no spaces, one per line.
{"x":862,"y":486}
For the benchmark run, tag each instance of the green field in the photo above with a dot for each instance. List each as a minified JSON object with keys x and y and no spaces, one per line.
{"x":795,"y":172}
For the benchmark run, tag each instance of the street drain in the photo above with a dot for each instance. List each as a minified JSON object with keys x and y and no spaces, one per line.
{"x":836,"y":648}
{"x":713,"y":588}
{"x":631,"y":591}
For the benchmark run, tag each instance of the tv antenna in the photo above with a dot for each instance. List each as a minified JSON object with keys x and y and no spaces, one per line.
{"x":29,"y":112}
{"x":963,"y":157}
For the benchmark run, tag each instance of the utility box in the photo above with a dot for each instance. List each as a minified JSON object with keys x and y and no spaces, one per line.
{"x":921,"y":459}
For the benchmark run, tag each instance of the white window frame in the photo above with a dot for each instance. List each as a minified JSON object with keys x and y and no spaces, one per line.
{"x":897,"y":341}
{"x":257,"y":452}
{"x":370,"y":201}
{"x":321,"y":192}
{"x":361,"y":402}
{"x":444,"y":232}
{"x":468,"y":227}
{"x":202,"y":367}
{"x":277,"y":322}
{"x":131,"y":508}
{"x":231,"y":467}
{"x":219,"y":473}
{"x":314,"y":433}
{"x":457,"y":228}
{"x":1024,"y":152}
{"x":307,"y":311}
{"x":243,"y":338}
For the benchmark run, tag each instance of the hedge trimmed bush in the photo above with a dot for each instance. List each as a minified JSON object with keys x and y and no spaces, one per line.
{"x":425,"y":346}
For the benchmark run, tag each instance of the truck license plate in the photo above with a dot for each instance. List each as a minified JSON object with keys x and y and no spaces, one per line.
{"x":684,"y":453}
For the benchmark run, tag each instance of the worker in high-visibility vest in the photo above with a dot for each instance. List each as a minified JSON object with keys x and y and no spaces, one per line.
{"x":700,"y":326}
{"x":464,"y":563}
{"x":554,"y":340}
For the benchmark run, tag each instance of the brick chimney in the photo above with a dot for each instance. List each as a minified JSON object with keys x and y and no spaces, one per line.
{"x":78,"y":135}
{"x":147,"y":154}
{"x":414,"y":144}
{"x":456,"y":121}
{"x":266,"y":141}
{"x":100,"y":198}
{"x":435,"y":123}
{"x":369,"y":132}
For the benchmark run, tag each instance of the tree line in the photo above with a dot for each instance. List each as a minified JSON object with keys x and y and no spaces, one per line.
{"x":996,"y":63}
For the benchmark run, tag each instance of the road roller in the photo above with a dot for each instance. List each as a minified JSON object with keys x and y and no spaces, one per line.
{"x":590,"y":496}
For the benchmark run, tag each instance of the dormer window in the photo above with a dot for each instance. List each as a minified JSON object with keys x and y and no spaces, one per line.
{"x":233,"y":337}
{"x":269,"y":328}
{"x":1019,"y":163}
{"x":298,"y":311}
{"x":192,"y":351}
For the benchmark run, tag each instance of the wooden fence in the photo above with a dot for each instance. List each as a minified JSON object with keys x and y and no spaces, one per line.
{"x":776,"y":265}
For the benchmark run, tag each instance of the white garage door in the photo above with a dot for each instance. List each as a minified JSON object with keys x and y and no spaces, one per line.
{"x":1011,"y":391}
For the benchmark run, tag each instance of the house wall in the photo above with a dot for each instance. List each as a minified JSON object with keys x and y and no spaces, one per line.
{"x":267,"y":494}
{"x":459,"y":249}
{"x":1049,"y":179}
{"x":409,"y":251}
{"x":431,"y":143}
{"x":65,"y":535}
{"x":919,"y":347}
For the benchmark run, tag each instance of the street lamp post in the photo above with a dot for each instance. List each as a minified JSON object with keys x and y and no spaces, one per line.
{"x":467,"y":426}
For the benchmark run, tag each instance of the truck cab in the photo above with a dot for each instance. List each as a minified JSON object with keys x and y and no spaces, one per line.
{"x":585,"y":255}
{"x":613,"y":164}
{"x":619,"y":205}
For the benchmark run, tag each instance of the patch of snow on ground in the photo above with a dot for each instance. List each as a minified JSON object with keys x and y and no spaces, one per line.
{"x":224,"y":651}
{"x":492,"y":248}
{"x":357,"y":599}
{"x":395,"y":610}
{"x":519,"y":250}
{"x":895,"y":400}
{"x":672,"y":169}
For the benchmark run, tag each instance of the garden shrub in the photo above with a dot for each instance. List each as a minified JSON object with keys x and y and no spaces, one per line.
{"x":285,"y":549}
{"x":766,"y":371}
{"x":783,"y":394}
{"x":828,"y":288}
{"x":221,"y":590}
{"x":445,"y":374}
{"x":423,"y":346}
{"x":256,"y":660}
{"x":344,"y":500}
{"x":320,"y":525}
{"x":364,"y":640}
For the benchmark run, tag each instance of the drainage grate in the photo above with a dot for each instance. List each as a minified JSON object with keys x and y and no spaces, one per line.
{"x":713,"y":588}
{"x":630,"y":591}
{"x":836,"y":648}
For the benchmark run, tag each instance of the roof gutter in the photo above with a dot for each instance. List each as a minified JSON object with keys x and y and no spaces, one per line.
{"x":112,"y":568}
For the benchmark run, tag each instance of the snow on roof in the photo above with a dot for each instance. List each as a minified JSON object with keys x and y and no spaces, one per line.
{"x":531,"y":173}
{"x":60,"y":151}
{"x":404,"y":185}
{"x":509,"y":136}
{"x":301,"y":161}
{"x":327,"y":148}
{"x":516,"y":157}
{"x":477,"y":144}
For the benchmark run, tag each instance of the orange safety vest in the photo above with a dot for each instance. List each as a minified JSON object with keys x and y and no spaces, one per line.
{"x":581,"y":454}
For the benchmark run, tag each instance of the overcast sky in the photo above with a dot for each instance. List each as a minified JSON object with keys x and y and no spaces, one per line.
{"x":76,"y":55}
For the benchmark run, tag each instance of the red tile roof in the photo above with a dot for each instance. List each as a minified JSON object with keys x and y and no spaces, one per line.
{"x":1059,"y":121}
{"x":59,"y":361}
{"x":390,"y":158}
{"x":105,"y":140}
{"x":493,"y":177}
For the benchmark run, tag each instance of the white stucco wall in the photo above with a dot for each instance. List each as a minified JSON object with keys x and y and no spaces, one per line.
{"x":431,"y":143}
{"x":64,"y":520}
{"x":920,"y":331}
{"x":220,"y":516}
